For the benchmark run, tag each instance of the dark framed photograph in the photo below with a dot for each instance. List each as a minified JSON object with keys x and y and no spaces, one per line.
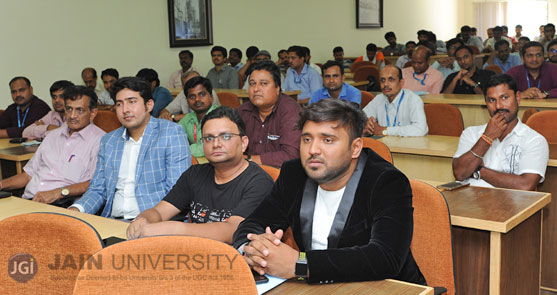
{"x":190,"y":23}
{"x":369,"y":13}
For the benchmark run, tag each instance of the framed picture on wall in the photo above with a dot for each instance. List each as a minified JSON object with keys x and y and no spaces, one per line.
{"x":190,"y":23}
{"x":369,"y":13}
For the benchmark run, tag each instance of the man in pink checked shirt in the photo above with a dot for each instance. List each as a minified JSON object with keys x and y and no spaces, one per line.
{"x":65,"y":161}
{"x":52,"y":119}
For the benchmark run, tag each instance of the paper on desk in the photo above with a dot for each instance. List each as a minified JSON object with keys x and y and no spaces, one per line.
{"x":273,"y":282}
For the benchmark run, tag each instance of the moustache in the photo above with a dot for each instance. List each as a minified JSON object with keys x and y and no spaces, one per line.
{"x":315,"y":158}
{"x":501,"y":111}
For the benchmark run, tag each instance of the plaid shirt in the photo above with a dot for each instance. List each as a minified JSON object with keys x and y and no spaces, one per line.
{"x":163,"y":157}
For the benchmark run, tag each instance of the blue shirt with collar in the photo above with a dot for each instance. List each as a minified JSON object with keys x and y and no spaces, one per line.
{"x":348,"y":93}
{"x":512,"y":61}
{"x":308,"y":81}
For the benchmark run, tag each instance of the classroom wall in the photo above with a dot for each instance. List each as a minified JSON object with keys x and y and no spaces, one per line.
{"x":55,"y":39}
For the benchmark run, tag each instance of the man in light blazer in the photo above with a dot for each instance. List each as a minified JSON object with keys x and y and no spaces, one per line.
{"x":139,"y":162}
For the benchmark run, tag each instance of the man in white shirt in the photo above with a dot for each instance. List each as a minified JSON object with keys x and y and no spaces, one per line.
{"x":404,"y":59}
{"x":504,"y":152}
{"x":396,"y":111}
{"x":186,"y":61}
{"x":497,"y":35}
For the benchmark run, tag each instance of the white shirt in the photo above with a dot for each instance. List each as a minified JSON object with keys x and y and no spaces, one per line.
{"x":125,"y":203}
{"x":316,"y":67}
{"x":523,"y":150}
{"x":326,"y":206}
{"x":402,"y":60}
{"x":175,"y":80}
{"x":405,"y":116}
{"x":104,"y":98}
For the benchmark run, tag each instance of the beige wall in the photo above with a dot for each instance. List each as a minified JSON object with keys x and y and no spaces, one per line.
{"x":55,"y":39}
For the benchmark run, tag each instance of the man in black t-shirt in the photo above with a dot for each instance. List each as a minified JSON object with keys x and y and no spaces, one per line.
{"x":218,"y":195}
{"x":470,"y":79}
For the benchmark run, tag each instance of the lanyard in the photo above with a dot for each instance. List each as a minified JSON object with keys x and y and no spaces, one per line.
{"x":21,"y":123}
{"x":195,"y":133}
{"x":397,"y":108}
{"x":422,"y":81}
{"x":528,"y":79}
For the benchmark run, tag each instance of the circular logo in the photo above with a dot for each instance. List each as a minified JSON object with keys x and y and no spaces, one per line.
{"x":22,"y":267}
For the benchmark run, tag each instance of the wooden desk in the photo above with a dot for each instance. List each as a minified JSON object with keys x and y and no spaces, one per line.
{"x":473,"y":109}
{"x":13,"y":157}
{"x":377,"y":288}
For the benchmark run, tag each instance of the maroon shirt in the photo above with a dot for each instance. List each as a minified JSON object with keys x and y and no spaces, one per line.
{"x":277,"y":139}
{"x":8,"y":120}
{"x":547,"y":80}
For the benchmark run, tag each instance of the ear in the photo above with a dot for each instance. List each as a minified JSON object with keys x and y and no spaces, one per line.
{"x":356,"y":147}
{"x":93,"y":114}
{"x":518,"y":97}
{"x":149,"y":105}
{"x":245,"y":142}
{"x":401,"y":83}
{"x":31,"y":89}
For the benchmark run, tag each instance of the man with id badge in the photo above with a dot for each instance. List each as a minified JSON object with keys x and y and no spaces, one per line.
{"x":396,"y":111}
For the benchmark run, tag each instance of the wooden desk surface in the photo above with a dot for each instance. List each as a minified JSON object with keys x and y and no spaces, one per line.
{"x":5,"y":143}
{"x":18,"y":153}
{"x":377,"y":288}
{"x":431,"y":145}
{"x":477,"y":99}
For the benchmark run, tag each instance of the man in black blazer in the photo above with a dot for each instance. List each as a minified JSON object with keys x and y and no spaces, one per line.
{"x":350,"y":211}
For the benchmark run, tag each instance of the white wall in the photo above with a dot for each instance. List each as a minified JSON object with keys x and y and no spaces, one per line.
{"x":48,"y":40}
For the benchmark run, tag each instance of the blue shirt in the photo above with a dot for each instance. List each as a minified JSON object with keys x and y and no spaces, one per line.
{"x":308,"y":81}
{"x":347,"y":92}
{"x":162,"y":98}
{"x":512,"y":61}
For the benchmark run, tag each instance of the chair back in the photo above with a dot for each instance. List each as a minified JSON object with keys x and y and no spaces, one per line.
{"x":272,"y":171}
{"x":367,"y":97}
{"x":229,"y":99}
{"x":431,"y":242}
{"x":107,"y":120}
{"x":528,"y":113}
{"x":544,"y":122}
{"x":176,"y":264}
{"x":1,"y":112}
{"x":494,"y":68}
{"x":443,"y":119}
{"x":364,"y":73}
{"x":379,"y":148}
{"x":44,"y":246}
{"x":194,"y":160}
{"x":361,"y":63}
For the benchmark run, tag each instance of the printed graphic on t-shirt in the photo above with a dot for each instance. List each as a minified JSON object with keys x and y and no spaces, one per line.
{"x":201,"y":213}
{"x":512,"y":159}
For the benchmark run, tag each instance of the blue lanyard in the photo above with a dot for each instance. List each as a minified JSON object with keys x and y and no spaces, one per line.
{"x":397,"y":108}
{"x":528,"y":79}
{"x":422,"y":81}
{"x":21,"y":123}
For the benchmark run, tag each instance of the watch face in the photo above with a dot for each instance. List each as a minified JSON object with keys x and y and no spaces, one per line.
{"x":476,"y":175}
{"x":65,"y":192}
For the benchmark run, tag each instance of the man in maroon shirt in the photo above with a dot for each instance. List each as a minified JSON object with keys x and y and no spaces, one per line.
{"x":270,"y":118}
{"x":26,"y":109}
{"x":536,"y":78}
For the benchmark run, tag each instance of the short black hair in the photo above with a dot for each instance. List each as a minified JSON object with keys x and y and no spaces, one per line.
{"x":473,"y":29}
{"x":238,"y":52}
{"x":465,"y":29}
{"x":269,"y":66}
{"x":410,"y":42}
{"x":92,"y":70}
{"x":299,"y":50}
{"x":332,"y":63}
{"x":221,"y":49}
{"x":77,"y":92}
{"x":371,"y":47}
{"x":390,"y":35}
{"x":500,"y":43}
{"x":524,"y":38}
{"x":549,"y":25}
{"x":110,"y":72}
{"x":251,"y":51}
{"x":149,"y":75}
{"x":60,"y":85}
{"x":132,"y":83}
{"x":189,"y":53}
{"x":20,"y":78}
{"x":498,"y":29}
{"x":518,"y":26}
{"x":499,"y":79}
{"x":553,"y":42}
{"x":338,"y":49}
{"x":454,"y":41}
{"x":331,"y":109}
{"x":282,"y":51}
{"x":465,"y":47}
{"x":531,"y":44}
{"x":193,"y":82}
{"x":226,"y":112}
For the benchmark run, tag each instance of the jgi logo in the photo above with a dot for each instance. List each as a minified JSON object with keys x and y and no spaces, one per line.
{"x":22,"y":267}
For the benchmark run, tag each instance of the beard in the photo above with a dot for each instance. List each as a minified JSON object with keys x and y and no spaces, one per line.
{"x":327,"y":174}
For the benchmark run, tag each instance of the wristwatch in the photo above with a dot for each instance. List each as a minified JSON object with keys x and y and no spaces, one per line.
{"x":173,"y":117}
{"x":384,"y":132}
{"x":301,"y":270}
{"x":476,"y":175}
{"x":65,"y":192}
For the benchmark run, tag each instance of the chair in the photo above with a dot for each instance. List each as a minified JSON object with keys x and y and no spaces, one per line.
{"x":229,"y":99}
{"x":544,"y":122}
{"x":527,"y":113}
{"x":46,"y":237}
{"x":363,"y":73}
{"x":367,"y":97}
{"x":443,"y":119}
{"x":272,"y":171}
{"x":431,"y":242}
{"x":494,"y":68}
{"x":194,"y":160}
{"x":361,"y":63}
{"x":107,"y":120}
{"x":1,"y":112}
{"x":173,"y":265}
{"x":379,"y":148}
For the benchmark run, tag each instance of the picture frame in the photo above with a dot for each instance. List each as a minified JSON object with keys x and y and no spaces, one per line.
{"x":369,"y":14}
{"x":190,"y":23}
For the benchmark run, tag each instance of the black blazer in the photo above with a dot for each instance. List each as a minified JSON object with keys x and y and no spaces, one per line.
{"x":375,"y":241}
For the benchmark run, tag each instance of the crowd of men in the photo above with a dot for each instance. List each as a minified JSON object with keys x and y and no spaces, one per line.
{"x":142,"y":172}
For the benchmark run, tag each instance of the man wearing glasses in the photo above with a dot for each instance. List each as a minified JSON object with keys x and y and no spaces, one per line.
{"x":536,"y":78}
{"x":552,"y":52}
{"x":217,"y":195}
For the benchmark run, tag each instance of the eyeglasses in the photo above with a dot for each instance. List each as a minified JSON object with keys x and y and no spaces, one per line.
{"x":222,"y":137}
{"x":553,"y":50}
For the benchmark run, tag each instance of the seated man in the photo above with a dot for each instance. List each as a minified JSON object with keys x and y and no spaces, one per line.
{"x":222,"y":76}
{"x":139,"y":162}
{"x":200,"y":101}
{"x":26,"y":109}
{"x":420,"y":77}
{"x":548,"y":35}
{"x":270,"y":118}
{"x":469,"y":39}
{"x":469,"y":80}
{"x":186,"y":60}
{"x":282,"y":61}
{"x":53,"y":119}
{"x":448,"y":65}
{"x":89,"y":77}
{"x":109,"y":77}
{"x":396,"y":111}
{"x":65,"y":161}
{"x":373,"y":55}
{"x":334,"y":86}
{"x":393,"y":48}
{"x":300,"y":76}
{"x":536,"y":78}
{"x":552,"y":52}
{"x":260,"y":56}
{"x":502,"y":57}
{"x":218,"y":195}
{"x":338,"y":55}
{"x":504,"y":152}
{"x":350,"y":211}
{"x":161,"y":95}
{"x":235,"y":59}
{"x":403,"y":59}
{"x":497,"y":35}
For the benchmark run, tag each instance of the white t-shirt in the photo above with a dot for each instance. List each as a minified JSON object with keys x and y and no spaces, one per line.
{"x":521,"y":151}
{"x":326,"y":206}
